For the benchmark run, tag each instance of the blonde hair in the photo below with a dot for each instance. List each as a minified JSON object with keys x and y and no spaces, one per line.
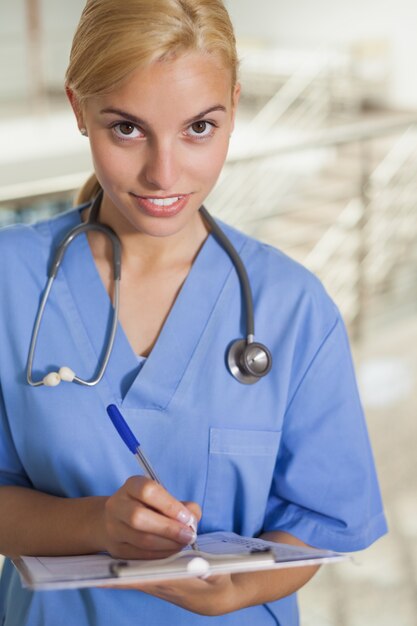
{"x":115,"y":37}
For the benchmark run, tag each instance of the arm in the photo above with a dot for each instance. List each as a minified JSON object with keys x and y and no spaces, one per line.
{"x":121,"y":524}
{"x":35,"y":523}
{"x":218,"y":595}
{"x":140,"y":520}
{"x":268,"y":586}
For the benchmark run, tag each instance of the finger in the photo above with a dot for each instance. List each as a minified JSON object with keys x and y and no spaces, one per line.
{"x":149,"y":529}
{"x":144,"y":521}
{"x":194,"y":508}
{"x":156,"y":497}
{"x":125,"y":550}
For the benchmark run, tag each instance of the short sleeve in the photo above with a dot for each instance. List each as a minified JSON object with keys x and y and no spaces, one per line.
{"x":325,"y":490}
{"x":11,"y":469}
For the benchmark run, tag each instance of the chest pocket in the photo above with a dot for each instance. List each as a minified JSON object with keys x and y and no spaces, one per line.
{"x":240,"y":470}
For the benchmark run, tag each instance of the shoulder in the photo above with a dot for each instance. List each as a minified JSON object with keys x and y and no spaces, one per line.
{"x":30,"y":244}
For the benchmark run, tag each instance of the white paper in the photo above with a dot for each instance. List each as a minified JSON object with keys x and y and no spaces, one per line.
{"x":68,"y":572}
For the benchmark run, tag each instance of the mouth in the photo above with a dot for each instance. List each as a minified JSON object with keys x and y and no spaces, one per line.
{"x":168,"y":201}
{"x":162,"y":206}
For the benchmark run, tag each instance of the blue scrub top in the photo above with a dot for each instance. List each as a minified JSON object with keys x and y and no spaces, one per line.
{"x":289,"y":453}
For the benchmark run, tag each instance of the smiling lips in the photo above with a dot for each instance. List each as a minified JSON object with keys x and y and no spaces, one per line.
{"x":162,"y":207}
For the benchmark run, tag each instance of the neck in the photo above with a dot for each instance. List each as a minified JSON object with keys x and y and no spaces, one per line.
{"x":151,"y":252}
{"x":147,"y":252}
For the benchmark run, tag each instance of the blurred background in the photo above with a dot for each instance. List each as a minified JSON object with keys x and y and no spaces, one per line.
{"x":323,"y":165}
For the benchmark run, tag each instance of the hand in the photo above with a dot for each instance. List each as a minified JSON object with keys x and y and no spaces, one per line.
{"x":215,"y":595}
{"x":221,"y":594}
{"x":143,"y":521}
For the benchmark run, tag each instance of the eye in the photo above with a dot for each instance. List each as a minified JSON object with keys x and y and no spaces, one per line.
{"x":201,"y":129}
{"x":126,"y":130}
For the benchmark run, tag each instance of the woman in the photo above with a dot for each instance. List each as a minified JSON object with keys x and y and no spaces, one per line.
{"x":153,"y":85}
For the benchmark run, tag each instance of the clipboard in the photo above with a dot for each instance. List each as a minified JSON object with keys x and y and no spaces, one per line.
{"x":219,"y":553}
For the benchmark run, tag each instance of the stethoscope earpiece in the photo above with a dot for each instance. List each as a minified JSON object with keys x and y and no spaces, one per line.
{"x":248,"y":361}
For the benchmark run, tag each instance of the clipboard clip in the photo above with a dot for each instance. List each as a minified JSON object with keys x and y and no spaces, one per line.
{"x":188,"y":564}
{"x":260,"y":550}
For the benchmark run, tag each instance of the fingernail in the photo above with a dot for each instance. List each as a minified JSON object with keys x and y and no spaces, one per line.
{"x":185,"y":517}
{"x":187,"y":535}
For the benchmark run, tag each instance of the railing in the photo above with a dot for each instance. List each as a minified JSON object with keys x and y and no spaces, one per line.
{"x":302,"y":102}
{"x":376,"y":232}
{"x":355,"y":240}
{"x":393,"y":183}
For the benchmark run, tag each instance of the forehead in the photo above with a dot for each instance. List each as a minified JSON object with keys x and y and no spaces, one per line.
{"x":180,"y":86}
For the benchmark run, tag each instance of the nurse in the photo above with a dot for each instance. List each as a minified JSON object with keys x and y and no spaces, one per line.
{"x":153,"y":86}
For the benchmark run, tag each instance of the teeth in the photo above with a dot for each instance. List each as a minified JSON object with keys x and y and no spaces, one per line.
{"x":164,"y":201}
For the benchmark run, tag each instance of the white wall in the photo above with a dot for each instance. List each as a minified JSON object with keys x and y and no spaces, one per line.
{"x":59,"y":19}
{"x":318,"y":22}
{"x":12,"y":50}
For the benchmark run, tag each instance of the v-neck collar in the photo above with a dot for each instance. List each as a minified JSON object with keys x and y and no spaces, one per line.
{"x":152,"y":385}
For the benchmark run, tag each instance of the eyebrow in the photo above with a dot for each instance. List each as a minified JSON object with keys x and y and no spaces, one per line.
{"x":141,"y":122}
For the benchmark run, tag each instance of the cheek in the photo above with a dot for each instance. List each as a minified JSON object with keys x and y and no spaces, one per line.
{"x":110,"y":163}
{"x":207,"y":164}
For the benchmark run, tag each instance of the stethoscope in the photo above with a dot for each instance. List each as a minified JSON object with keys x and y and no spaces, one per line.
{"x":248,"y":361}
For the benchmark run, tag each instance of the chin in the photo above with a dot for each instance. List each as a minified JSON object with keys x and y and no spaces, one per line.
{"x":163,"y":226}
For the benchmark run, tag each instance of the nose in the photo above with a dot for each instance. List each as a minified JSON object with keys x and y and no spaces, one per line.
{"x":162,"y":167}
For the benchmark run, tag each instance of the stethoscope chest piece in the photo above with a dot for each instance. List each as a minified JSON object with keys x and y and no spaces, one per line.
{"x":248,"y":361}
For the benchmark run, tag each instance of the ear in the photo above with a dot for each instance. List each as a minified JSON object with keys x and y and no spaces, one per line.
{"x":235,"y":102}
{"x":76,"y":107}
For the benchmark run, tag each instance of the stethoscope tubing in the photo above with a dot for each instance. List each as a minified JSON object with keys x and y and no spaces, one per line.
{"x":52,"y":273}
{"x":243,"y":354}
{"x":240,"y":269}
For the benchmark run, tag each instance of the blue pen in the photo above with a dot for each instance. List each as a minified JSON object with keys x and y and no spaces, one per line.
{"x":134,"y":446}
